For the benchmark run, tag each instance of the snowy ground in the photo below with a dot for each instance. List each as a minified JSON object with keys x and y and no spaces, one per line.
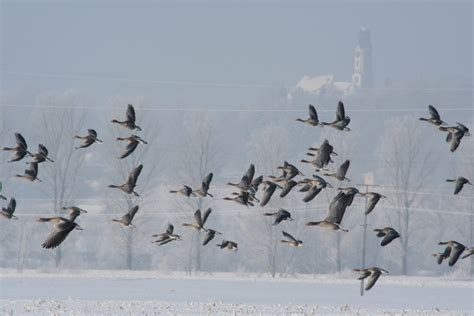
{"x":123,"y":292}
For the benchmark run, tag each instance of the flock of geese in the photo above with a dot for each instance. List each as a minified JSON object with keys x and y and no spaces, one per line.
{"x":249,"y":190}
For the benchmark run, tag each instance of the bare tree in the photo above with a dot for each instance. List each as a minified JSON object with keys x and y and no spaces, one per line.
{"x":199,"y":157}
{"x":58,"y":119}
{"x":405,"y":166}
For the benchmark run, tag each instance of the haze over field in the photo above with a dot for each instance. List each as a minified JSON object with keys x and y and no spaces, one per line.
{"x":217,"y":87}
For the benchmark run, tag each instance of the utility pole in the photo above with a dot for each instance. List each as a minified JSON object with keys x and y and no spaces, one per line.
{"x":368,"y":182}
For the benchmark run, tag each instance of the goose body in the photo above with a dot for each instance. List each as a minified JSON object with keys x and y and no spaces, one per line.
{"x":130,"y":121}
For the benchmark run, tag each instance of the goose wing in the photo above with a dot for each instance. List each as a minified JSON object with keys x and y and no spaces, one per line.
{"x":287,"y":188}
{"x":131,"y":213}
{"x":434,"y":113}
{"x":374,"y":276}
{"x":456,"y":252}
{"x":58,"y":234}
{"x":130,"y":148}
{"x":312,"y":113}
{"x":133,"y":176}
{"x":337,"y":208}
{"x":459,"y":186}
{"x":372,"y":201}
{"x":20,"y":141}
{"x":341,"y":172}
{"x":207,"y":180}
{"x":43,"y":150}
{"x":198,"y":218}
{"x":247,"y":178}
{"x":92,"y":133}
{"x":206,"y":215}
{"x":391,"y":235}
{"x":169,"y":229}
{"x":209,"y":236}
{"x":32,"y":170}
{"x":267,"y":193}
{"x":312,"y":192}
{"x":340,"y":113}
{"x":130,"y":113}
{"x":11,"y":206}
{"x":289,"y":236}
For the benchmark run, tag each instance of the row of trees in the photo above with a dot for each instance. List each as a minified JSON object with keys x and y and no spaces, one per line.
{"x":403,"y":161}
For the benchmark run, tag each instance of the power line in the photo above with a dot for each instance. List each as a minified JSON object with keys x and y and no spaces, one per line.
{"x":193,"y":109}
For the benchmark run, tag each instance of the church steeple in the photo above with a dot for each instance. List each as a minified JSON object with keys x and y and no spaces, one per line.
{"x":362,"y":76}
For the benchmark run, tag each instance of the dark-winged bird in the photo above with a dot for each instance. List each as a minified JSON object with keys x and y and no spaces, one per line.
{"x":89,"y":139}
{"x":61,"y":229}
{"x":199,"y":220}
{"x":434,"y":118}
{"x":31,"y":174}
{"x":455,"y":134}
{"x":459,"y":182}
{"x":372,"y":273}
{"x":126,"y":220}
{"x":227,"y":244}
{"x":20,"y":150}
{"x":185,"y":191}
{"x":132,"y":144}
{"x":7,"y":212}
{"x":313,"y":117}
{"x":203,"y":191}
{"x":373,"y":199}
{"x":167,"y":236}
{"x":291,"y":241}
{"x":130,"y":121}
{"x":341,"y":121}
{"x":211,"y":233}
{"x":41,"y":155}
{"x":388,"y":234}
{"x":246,"y":180}
{"x":452,"y":251}
{"x":280,"y":215}
{"x":340,"y":174}
{"x":131,"y":183}
{"x":268,"y":190}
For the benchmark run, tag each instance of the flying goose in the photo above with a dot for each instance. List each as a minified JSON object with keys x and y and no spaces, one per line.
{"x":167,"y":236}
{"x":199,"y":220}
{"x":434,"y":118}
{"x":89,"y":139}
{"x":313,"y":187}
{"x":372,"y":273}
{"x":243,"y":198}
{"x":185,"y":191}
{"x":211,"y":233}
{"x":455,"y":134}
{"x":280,"y":215}
{"x":460,"y":182}
{"x":340,"y":174}
{"x":132,"y":144}
{"x":388,"y":234}
{"x":289,"y":171}
{"x":227,"y":244}
{"x":61,"y":228}
{"x":31,"y":174}
{"x":126,"y":220}
{"x":313,"y":117}
{"x":341,"y":121}
{"x":291,"y":241}
{"x":20,"y":150}
{"x":322,"y":156}
{"x":130,"y":121}
{"x":373,"y":199}
{"x":349,"y":194}
{"x":268,"y":190}
{"x":9,"y":210}
{"x":129,"y":186}
{"x":452,"y":251}
{"x":203,"y":190}
{"x":328,"y":225}
{"x":41,"y":155}
{"x":246,"y":180}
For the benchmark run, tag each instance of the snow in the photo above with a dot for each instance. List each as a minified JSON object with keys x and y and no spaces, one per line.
{"x":140,"y":292}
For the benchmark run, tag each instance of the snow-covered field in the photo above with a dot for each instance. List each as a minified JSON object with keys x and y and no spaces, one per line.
{"x":147,"y":292}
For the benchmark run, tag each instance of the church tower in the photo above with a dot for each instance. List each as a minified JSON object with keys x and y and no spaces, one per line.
{"x":362,"y":76}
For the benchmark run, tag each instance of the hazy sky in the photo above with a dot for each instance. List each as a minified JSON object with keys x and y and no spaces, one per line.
{"x":238,"y":43}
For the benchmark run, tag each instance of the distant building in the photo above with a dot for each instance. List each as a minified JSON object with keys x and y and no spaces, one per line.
{"x":362,"y":76}
{"x":327,"y":86}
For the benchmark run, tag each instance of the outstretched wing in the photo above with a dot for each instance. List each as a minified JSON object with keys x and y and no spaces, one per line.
{"x":11,"y":206}
{"x":247,"y":178}
{"x":170,"y":229}
{"x":131,"y":146}
{"x":340,"y":113}
{"x":391,"y":235}
{"x":130,"y":113}
{"x":341,"y":172}
{"x":372,"y":279}
{"x":20,"y":141}
{"x":312,"y":192}
{"x":206,"y":215}
{"x":373,"y":200}
{"x":43,"y":150}
{"x":434,"y":113}
{"x":57,"y":236}
{"x":455,"y":254}
{"x":459,"y":185}
{"x":198,"y":218}
{"x":312,"y":113}
{"x":287,"y":188}
{"x":288,"y":236}
{"x":92,"y":133}
{"x":133,"y":176}
{"x":209,"y":236}
{"x":132,"y":211}
{"x":207,"y":180}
